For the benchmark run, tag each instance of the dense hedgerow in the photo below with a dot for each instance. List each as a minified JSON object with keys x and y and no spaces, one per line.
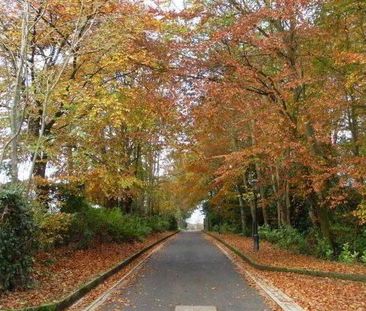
{"x":226,"y":228}
{"x":312,"y":243}
{"x":111,"y":225}
{"x":17,"y":239}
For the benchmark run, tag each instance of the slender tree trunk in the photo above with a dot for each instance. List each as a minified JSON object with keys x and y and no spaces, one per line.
{"x":287,"y":203}
{"x":252,"y":203}
{"x":243,"y":218}
{"x":261,"y":192}
{"x":15,"y":119}
{"x":278,"y":200}
{"x":259,"y":177}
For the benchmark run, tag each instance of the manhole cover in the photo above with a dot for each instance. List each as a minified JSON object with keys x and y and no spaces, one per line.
{"x":195,"y":308}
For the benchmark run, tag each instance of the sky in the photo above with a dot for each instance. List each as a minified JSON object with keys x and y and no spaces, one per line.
{"x":197,"y":217}
{"x":176,"y":5}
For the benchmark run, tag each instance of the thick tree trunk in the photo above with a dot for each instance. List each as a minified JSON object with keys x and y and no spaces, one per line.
{"x":321,"y":211}
{"x":323,"y":215}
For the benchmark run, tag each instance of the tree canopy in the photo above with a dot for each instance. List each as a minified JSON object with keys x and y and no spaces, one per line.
{"x":232,"y":104}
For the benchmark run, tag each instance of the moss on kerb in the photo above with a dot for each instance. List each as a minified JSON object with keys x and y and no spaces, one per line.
{"x":333,"y":275}
{"x":83,"y":290}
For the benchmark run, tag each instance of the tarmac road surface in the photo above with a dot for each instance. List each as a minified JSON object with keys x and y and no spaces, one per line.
{"x":187,"y":271}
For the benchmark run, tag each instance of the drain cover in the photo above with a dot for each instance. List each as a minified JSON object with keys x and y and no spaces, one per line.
{"x":195,"y":308}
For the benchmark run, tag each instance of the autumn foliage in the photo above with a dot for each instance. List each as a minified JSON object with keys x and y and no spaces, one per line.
{"x":276,"y":114}
{"x":121,"y":112}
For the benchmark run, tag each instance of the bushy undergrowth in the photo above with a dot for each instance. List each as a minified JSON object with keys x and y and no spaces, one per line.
{"x":53,"y":227}
{"x":347,"y":255}
{"x":226,"y":228}
{"x":106,"y":225}
{"x":313,"y":244}
{"x":17,"y":239}
{"x":112,"y":225}
{"x":285,"y":237}
{"x":26,"y":228}
{"x":85,"y":224}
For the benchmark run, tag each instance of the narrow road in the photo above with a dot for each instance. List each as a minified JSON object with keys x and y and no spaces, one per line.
{"x":189,"y":271}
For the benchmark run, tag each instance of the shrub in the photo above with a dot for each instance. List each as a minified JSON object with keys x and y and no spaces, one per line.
{"x":228,"y":228}
{"x":173,"y":223}
{"x":363,"y":257}
{"x":133,"y":228}
{"x":359,"y":241}
{"x":347,"y":255}
{"x":318,"y":246}
{"x":216,"y":228}
{"x":70,"y":197}
{"x":322,"y":249}
{"x":285,"y":237}
{"x":54,"y":229}
{"x":109,"y":225}
{"x":225,"y":228}
{"x":159,"y":223}
{"x":17,"y":243}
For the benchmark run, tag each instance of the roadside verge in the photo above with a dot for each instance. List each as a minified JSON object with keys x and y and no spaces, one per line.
{"x":87,"y":287}
{"x":259,"y":266}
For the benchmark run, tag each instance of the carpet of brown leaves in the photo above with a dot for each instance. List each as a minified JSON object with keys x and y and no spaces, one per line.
{"x":270,"y":254}
{"x":58,"y":273}
{"x":312,"y":293}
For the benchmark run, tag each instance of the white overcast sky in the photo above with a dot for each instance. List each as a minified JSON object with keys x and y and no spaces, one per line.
{"x":177,"y":5}
{"x":196,"y":217}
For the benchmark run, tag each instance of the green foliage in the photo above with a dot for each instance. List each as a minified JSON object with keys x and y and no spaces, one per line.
{"x":70,"y":198}
{"x":323,"y":249}
{"x":347,"y":255}
{"x":107,"y":225}
{"x":314,"y":244}
{"x":160,"y":223}
{"x":285,"y":237}
{"x":225,"y":228}
{"x":173,"y":223}
{"x":228,"y":228}
{"x":54,"y":229}
{"x":318,"y":246}
{"x":363,"y":257}
{"x":348,"y":233}
{"x":17,"y":243}
{"x":112,"y":225}
{"x":215,"y":228}
{"x":359,"y":241}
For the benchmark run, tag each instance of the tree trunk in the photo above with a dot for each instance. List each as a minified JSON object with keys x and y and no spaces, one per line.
{"x":321,"y":212}
{"x":261,"y":192}
{"x":278,"y":201}
{"x":243,"y":218}
{"x":252,"y":203}
{"x":15,"y":119}
{"x":287,"y":203}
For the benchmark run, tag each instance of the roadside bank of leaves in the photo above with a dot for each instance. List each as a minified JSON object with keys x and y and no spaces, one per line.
{"x":272,"y":255}
{"x":63,"y":270}
{"x":311,"y":293}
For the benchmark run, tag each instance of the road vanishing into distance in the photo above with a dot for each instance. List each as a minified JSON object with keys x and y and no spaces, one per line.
{"x":187,"y":271}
